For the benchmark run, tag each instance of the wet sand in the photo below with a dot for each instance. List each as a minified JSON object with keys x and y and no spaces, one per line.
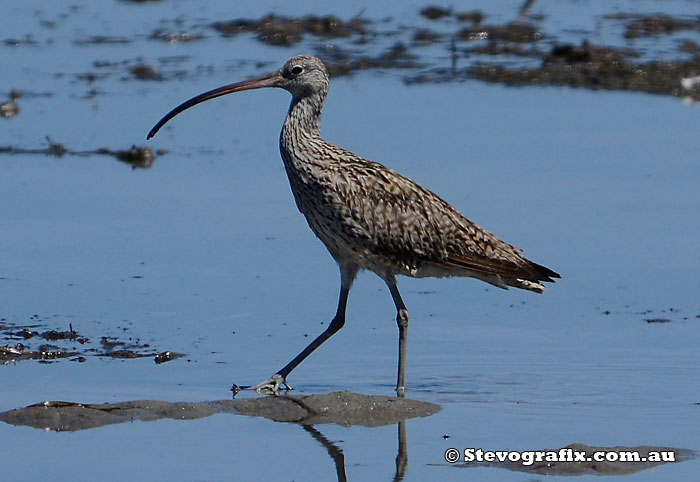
{"x":341,"y":408}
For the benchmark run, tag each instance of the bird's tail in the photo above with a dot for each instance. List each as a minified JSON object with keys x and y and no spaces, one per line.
{"x":538,"y":274}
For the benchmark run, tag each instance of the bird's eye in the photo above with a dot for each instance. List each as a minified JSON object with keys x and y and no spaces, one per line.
{"x":297,"y":69}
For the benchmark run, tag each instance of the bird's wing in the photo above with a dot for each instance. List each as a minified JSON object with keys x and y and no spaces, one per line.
{"x":394,"y":217}
{"x":398,"y":217}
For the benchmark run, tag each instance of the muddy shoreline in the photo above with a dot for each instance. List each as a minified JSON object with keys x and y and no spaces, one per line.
{"x":470,"y":45}
{"x":476,"y":46}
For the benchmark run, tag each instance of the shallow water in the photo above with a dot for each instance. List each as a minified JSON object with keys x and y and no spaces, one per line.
{"x":205,"y":254}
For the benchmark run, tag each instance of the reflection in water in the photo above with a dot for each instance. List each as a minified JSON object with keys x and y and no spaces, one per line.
{"x":338,"y":457}
{"x":334,"y":451}
{"x":402,"y":455}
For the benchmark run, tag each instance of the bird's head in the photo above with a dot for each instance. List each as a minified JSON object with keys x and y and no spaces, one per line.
{"x":302,"y":76}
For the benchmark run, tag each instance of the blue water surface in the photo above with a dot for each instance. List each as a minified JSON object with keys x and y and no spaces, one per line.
{"x":205,"y":253}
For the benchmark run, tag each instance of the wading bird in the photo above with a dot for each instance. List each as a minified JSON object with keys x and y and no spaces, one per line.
{"x":370,"y":217}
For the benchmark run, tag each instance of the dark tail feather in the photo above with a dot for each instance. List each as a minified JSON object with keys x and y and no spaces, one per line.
{"x":537,"y":275}
{"x":543,"y":273}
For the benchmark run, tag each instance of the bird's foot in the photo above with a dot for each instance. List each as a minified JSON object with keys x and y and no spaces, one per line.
{"x":271,"y":386}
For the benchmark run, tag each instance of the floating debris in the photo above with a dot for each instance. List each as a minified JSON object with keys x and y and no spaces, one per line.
{"x":27,"y":41}
{"x":653,"y":25}
{"x":145,"y":72}
{"x":425,"y":36}
{"x":578,"y":65}
{"x":26,"y":333}
{"x":63,"y":335}
{"x":136,"y":156}
{"x":284,"y":31}
{"x":91,"y":77}
{"x":8,"y":109}
{"x":689,"y":83}
{"x":20,"y":352}
{"x":180,"y":37}
{"x":475,"y":16}
{"x":588,"y":66}
{"x":67,"y":344}
{"x":521,"y":33}
{"x":434,"y":13}
{"x":397,"y":56}
{"x":102,"y":40}
{"x":689,"y":47}
{"x":166,"y":356}
{"x":116,"y":348}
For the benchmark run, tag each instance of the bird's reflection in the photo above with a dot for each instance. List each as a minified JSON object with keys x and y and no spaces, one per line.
{"x":336,"y":453}
{"x":402,"y":453}
{"x":333,"y":450}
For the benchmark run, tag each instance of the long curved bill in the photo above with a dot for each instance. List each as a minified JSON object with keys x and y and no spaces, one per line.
{"x":269,"y":80}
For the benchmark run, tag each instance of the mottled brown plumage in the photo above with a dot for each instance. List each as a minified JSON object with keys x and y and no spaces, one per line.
{"x":371,"y":217}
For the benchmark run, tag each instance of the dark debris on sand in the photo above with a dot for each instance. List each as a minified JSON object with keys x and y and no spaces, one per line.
{"x":28,"y":343}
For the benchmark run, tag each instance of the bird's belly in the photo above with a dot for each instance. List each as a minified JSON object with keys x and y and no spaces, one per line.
{"x":348,"y":243}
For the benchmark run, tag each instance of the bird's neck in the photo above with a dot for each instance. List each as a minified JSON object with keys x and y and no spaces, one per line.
{"x":303,"y":117}
{"x":299,"y":142}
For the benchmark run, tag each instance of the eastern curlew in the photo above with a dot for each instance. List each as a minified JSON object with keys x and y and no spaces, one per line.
{"x":370,"y":217}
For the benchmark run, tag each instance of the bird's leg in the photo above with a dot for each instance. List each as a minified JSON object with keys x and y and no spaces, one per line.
{"x":276,"y":381}
{"x":402,"y":322}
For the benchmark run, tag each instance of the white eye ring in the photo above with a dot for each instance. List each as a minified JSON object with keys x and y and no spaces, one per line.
{"x":297,"y":69}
